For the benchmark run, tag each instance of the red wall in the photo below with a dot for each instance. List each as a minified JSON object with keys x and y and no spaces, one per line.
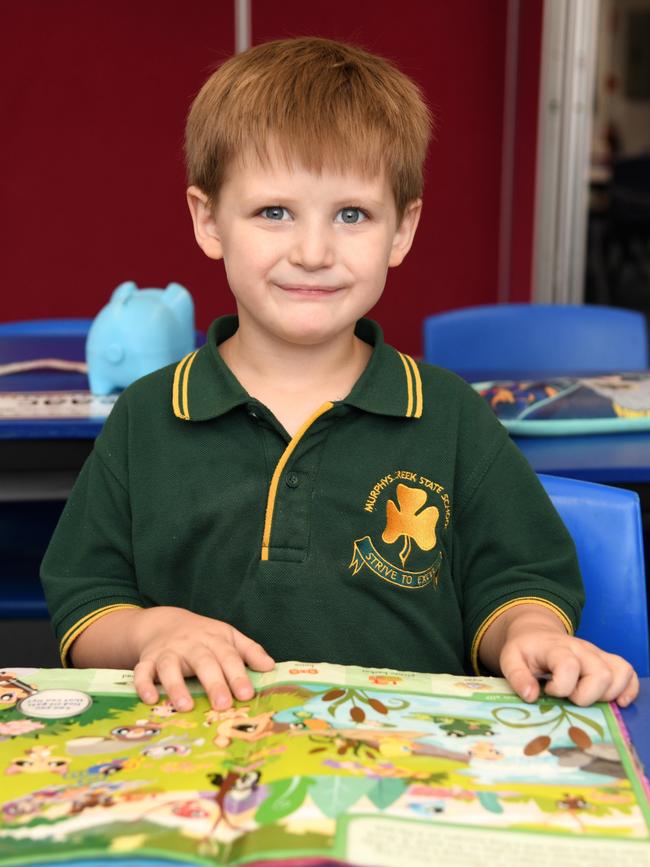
{"x":525,"y":163}
{"x":94,"y":97}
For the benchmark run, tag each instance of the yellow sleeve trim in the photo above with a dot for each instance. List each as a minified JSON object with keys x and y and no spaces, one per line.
{"x":273,"y":489}
{"x":83,"y":624}
{"x":414,"y":400}
{"x":526,"y":600}
{"x":180,"y":386}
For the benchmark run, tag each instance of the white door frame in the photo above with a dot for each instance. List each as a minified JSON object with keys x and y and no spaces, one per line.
{"x":567,"y":76}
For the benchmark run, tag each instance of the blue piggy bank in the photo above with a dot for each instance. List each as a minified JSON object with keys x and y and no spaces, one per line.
{"x":138,"y":331}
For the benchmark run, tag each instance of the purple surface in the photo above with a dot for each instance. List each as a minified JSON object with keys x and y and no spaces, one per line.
{"x":637,"y":721}
{"x":28,"y":348}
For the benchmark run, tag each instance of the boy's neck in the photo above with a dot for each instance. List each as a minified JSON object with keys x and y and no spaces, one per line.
{"x":294,"y":380}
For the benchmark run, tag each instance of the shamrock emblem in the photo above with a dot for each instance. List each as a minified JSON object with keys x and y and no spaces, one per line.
{"x":404,"y":520}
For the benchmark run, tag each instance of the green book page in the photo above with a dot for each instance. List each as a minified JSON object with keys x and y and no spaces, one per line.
{"x":366,"y":766}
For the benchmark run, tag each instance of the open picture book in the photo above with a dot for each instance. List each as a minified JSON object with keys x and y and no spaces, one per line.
{"x":362,"y":766}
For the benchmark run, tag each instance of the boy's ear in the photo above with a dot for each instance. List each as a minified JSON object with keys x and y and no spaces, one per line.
{"x":405,"y":233}
{"x":205,"y":225}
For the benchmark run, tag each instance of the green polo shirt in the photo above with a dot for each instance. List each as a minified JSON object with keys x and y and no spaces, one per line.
{"x":389,"y":531}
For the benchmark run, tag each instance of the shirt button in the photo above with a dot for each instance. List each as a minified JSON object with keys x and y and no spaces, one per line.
{"x":291,"y":480}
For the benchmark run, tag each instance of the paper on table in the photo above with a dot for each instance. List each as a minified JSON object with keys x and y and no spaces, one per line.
{"x":54,"y":404}
{"x":43,"y":364}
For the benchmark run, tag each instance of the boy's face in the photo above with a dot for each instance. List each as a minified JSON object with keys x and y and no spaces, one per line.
{"x":306,"y":254}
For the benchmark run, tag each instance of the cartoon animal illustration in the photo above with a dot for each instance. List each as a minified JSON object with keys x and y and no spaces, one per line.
{"x":457,"y":726}
{"x":96,"y":745}
{"x":238,"y":794}
{"x":31,"y":803}
{"x":190,"y":810}
{"x":164,"y":709}
{"x":143,"y":730}
{"x":171,"y":746}
{"x":485,"y":751}
{"x":13,"y":690}
{"x":15,"y":727}
{"x":39,"y":760}
{"x":91,"y":797}
{"x":572,"y":802}
{"x":474,"y":685}
{"x":107,"y":769}
{"x":237,"y":724}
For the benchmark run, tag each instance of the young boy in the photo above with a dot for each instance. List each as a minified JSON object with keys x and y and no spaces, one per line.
{"x":296,"y":489}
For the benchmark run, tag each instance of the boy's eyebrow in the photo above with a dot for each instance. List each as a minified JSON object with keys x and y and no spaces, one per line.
{"x":277,"y":197}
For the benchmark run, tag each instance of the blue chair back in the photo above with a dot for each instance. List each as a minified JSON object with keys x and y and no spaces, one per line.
{"x":46,"y":328}
{"x":605,"y":523}
{"x":510,"y":340}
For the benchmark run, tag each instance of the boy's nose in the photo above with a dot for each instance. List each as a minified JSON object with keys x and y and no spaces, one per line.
{"x":312,"y":248}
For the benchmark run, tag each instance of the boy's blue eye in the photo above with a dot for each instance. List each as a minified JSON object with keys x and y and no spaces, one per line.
{"x":350,"y":215}
{"x":273,"y":212}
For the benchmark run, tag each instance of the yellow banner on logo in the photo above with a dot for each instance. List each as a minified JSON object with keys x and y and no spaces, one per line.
{"x":365,"y":554}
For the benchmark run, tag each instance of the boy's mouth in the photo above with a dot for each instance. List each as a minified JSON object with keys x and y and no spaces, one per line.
{"x":308,"y":291}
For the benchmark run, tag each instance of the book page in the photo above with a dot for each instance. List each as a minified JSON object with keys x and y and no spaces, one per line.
{"x":369,"y":766}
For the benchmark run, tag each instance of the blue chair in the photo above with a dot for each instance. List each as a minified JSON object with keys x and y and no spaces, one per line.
{"x":605,"y":523}
{"x":510,"y":340}
{"x":46,"y":328}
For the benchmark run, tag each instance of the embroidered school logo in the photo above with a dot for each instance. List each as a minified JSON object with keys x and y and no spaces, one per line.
{"x":408,"y":515}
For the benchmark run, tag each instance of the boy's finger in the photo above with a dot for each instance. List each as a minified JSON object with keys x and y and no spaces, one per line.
{"x":519,"y":676}
{"x":170,"y":675}
{"x":630,"y":692}
{"x":622,"y":679}
{"x":252,"y":653}
{"x":235,"y":673}
{"x":143,"y":680}
{"x":563,"y":669}
{"x":583,"y":679}
{"x":209,"y":672}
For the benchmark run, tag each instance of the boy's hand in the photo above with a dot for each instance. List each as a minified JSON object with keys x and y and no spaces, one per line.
{"x":172,"y":644}
{"x":530,"y":642}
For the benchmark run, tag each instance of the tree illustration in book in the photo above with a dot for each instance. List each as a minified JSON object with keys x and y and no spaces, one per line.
{"x":362,"y":766}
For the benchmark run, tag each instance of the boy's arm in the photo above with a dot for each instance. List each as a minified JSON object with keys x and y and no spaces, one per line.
{"x":528,"y":642}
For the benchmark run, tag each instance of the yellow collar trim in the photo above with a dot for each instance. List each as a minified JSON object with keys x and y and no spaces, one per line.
{"x":180,"y":386}
{"x":413,"y":387}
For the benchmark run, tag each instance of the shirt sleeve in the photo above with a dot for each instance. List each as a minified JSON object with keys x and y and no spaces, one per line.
{"x":510,"y":545}
{"x":88,"y":569}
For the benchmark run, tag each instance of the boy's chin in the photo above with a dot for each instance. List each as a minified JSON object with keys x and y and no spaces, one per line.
{"x":317,"y":332}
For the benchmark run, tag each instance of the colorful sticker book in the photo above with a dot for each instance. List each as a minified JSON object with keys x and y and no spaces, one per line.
{"x":362,"y":766}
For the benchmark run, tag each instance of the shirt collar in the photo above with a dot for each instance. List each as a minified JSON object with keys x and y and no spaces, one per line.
{"x":204,"y":387}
